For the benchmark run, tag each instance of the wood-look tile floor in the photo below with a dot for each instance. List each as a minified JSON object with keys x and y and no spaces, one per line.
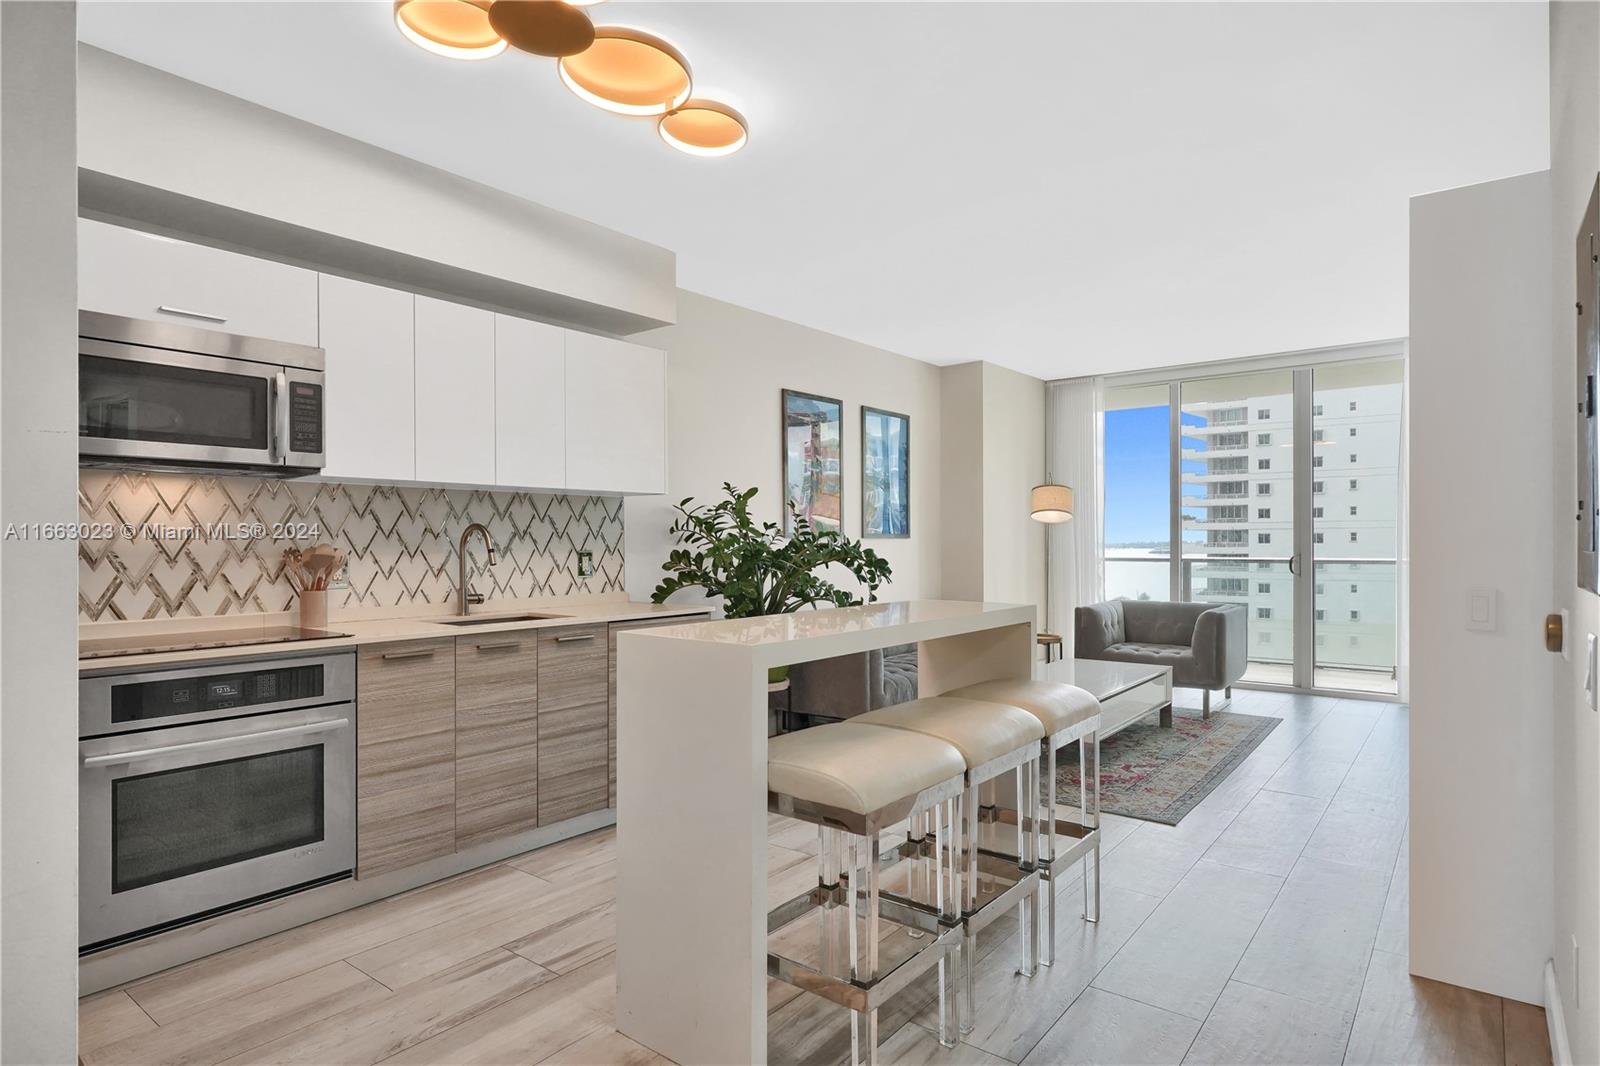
{"x":1269,"y":926}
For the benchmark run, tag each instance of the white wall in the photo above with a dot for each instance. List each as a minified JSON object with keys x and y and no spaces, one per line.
{"x":38,"y":479}
{"x":1013,"y":463}
{"x":993,"y":454}
{"x":1481,"y":515}
{"x":169,"y":153}
{"x":961,"y":452}
{"x":1574,"y":160}
{"x":726,"y":369}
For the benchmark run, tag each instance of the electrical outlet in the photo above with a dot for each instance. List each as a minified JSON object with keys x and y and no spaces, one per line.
{"x":341,"y":578}
{"x":586,"y":564}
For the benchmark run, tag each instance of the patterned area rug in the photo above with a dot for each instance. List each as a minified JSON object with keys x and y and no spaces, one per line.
{"x":1158,"y":775}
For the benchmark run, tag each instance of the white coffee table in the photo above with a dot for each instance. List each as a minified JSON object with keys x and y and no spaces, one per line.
{"x":1126,"y":691}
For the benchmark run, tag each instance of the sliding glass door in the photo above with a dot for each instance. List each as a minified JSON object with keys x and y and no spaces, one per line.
{"x":1237,"y":494}
{"x":1355,"y":524}
{"x":1278,"y":490}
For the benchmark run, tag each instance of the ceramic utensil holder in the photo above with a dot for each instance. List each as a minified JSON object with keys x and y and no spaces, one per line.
{"x":314,"y":609}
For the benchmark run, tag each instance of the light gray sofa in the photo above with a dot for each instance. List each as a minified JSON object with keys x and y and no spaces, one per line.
{"x":849,"y":685}
{"x":1203,"y":643}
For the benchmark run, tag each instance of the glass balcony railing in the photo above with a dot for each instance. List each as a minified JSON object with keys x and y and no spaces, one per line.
{"x":1354,"y":635}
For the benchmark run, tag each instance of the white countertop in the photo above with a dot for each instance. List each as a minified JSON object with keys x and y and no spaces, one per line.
{"x":776,"y":640}
{"x":367,"y":628}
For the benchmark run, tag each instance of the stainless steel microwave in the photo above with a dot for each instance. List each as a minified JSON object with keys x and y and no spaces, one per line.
{"x":165,"y":396}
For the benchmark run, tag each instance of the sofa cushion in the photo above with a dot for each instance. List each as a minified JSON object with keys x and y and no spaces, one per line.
{"x":1136,"y":652}
{"x":1097,"y":627}
{"x":899,"y":681}
{"x":1161,"y":622}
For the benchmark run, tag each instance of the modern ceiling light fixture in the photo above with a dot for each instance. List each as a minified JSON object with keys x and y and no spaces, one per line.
{"x":616,"y":68}
{"x":544,"y":27}
{"x":457,"y":29}
{"x":704,"y":128}
{"x":629,"y":72}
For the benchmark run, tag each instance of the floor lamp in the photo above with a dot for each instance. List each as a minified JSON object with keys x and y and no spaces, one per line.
{"x":1052,"y":505}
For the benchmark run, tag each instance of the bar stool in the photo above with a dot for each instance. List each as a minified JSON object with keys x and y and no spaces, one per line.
{"x":994,"y":740}
{"x":854,"y":782}
{"x":1068,"y":714}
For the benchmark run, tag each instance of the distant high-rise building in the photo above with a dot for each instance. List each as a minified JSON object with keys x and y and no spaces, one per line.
{"x":1237,"y":510}
{"x":1238,"y":513}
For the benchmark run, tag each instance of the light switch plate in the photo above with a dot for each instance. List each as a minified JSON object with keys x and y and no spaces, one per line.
{"x":586,"y":564}
{"x":1483,"y":609}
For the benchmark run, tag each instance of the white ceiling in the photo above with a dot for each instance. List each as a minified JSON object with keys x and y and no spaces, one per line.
{"x":1058,"y":188}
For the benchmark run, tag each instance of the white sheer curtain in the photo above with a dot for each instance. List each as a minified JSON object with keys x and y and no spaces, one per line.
{"x":1074,"y":444}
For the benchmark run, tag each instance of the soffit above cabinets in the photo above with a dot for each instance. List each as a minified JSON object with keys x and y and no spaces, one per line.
{"x":174,"y":157}
{"x":418,"y":390}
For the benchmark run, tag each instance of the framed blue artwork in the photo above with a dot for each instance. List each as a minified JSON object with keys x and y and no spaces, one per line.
{"x":885,"y":473}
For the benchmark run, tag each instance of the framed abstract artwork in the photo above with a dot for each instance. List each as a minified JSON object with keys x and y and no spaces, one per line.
{"x":885,"y":474}
{"x":813,"y":459}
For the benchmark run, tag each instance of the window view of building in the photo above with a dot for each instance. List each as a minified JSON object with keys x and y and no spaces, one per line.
{"x":1246,"y":422}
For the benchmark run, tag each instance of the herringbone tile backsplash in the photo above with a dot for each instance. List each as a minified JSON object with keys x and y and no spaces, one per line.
{"x":401,"y":543}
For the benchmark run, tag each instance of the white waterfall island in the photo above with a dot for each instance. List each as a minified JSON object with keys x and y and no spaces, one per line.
{"x":692,"y":799}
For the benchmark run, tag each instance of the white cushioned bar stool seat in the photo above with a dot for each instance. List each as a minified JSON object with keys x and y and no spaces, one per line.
{"x":860,"y":769}
{"x":1067,"y":714}
{"x":982,"y":731}
{"x":854,"y":782}
{"x":1058,"y":707}
{"x":994,"y":739}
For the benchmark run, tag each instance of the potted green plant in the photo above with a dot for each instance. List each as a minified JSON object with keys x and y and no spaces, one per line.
{"x":755,"y":568}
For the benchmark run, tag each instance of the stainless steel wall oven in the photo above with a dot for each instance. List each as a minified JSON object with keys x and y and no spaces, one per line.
{"x":211,"y":787}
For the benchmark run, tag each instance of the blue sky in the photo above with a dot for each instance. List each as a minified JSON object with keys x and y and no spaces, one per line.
{"x":1136,"y":474}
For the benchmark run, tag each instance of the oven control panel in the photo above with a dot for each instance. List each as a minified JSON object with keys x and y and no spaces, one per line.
{"x":144,"y":701}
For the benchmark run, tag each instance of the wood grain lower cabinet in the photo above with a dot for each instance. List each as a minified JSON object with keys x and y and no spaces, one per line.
{"x":497,"y":736}
{"x":573,"y":722}
{"x":405,"y":754}
{"x":611,"y":689}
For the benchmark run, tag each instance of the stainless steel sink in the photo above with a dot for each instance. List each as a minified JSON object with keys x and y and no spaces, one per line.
{"x":496,"y":619}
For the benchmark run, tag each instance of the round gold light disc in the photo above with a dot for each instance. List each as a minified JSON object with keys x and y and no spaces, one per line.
{"x":543,"y":27}
{"x":458,"y":29}
{"x":704,"y":127}
{"x":629,"y":72}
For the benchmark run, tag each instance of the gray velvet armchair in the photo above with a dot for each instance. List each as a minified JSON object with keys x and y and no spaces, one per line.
{"x":1203,"y":643}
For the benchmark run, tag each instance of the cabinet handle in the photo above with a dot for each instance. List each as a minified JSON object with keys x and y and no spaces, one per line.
{"x":499,"y":646}
{"x":201,"y":315}
{"x":575,"y":636}
{"x":423,"y":653}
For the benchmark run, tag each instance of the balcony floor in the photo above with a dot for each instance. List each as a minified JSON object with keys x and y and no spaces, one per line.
{"x":1374,"y":681}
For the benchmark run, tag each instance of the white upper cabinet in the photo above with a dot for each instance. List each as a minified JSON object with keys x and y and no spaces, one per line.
{"x":139,"y":275}
{"x":368,"y":334}
{"x":530,"y":415}
{"x":455,"y":394}
{"x":419,"y":390}
{"x":616,"y":416}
